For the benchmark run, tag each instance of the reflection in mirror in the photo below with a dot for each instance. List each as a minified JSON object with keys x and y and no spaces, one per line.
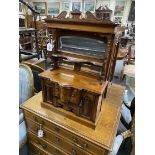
{"x":82,"y":45}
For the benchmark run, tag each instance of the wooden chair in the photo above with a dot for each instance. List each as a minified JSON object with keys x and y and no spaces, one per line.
{"x":36,"y":70}
{"x":131,"y":54}
{"x":26,"y":90}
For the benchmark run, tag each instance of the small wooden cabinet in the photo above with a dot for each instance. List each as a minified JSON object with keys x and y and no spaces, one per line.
{"x":73,"y":93}
{"x":65,"y":136}
{"x":83,"y":57}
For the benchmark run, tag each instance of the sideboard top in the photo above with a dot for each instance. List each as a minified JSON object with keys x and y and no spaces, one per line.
{"x":70,"y":78}
{"x":104,"y":133}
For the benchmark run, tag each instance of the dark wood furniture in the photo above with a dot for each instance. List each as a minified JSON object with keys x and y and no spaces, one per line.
{"x":83,"y":56}
{"x":65,"y":136}
{"x":28,"y":44}
{"x":103,"y":13}
{"x":28,"y":40}
{"x":36,"y":70}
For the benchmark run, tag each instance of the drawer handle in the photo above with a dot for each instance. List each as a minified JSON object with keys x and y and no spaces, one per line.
{"x":72,"y":95}
{"x":44,"y":146}
{"x":36,"y":130}
{"x":57,"y":139}
{"x":74,"y":152}
{"x":74,"y":139}
{"x":34,"y":118}
{"x":85,"y":145}
{"x":42,"y":123}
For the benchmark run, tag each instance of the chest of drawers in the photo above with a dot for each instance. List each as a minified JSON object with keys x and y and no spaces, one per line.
{"x":64,"y":136}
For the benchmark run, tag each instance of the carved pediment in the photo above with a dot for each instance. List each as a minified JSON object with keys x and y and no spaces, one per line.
{"x":76,"y":17}
{"x":103,"y":9}
{"x":62,"y":15}
{"x":90,"y":16}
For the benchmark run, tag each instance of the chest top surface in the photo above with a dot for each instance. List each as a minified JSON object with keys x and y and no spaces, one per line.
{"x":104,"y":133}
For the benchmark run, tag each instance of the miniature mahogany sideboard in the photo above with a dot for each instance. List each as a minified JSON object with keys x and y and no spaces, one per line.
{"x":65,"y":136}
{"x":83,"y":58}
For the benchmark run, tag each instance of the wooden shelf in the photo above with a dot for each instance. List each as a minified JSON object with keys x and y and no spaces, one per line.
{"x":78,"y":60}
{"x":71,"y":78}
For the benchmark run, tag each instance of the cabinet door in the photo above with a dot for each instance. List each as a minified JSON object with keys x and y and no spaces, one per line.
{"x":49,"y":93}
{"x":86,"y":104}
{"x":65,"y":93}
{"x":75,"y":96}
{"x":56,"y":90}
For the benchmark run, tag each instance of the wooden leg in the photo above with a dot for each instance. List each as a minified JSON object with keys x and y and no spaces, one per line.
{"x":105,"y":92}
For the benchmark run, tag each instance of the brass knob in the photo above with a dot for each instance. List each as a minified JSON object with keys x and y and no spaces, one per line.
{"x":74,"y":139}
{"x":34,"y":118}
{"x":74,"y":152}
{"x":85,"y":145}
{"x":73,"y":94}
{"x":57,"y":139}
{"x":42,"y":122}
{"x":44,"y":146}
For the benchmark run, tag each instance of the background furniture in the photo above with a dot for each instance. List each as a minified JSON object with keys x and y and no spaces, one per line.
{"x":26,"y":90}
{"x":103,"y":12}
{"x":28,"y":41}
{"x":66,"y":136}
{"x":131,"y":54}
{"x":36,"y":70}
{"x":122,"y":53}
{"x":39,"y":62}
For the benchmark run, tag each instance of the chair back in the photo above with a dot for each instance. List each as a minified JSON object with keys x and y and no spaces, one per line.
{"x":36,"y":70}
{"x":131,"y":54}
{"x":26,"y":85}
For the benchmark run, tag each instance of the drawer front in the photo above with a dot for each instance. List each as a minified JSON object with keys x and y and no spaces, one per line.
{"x":76,"y":140}
{"x":44,"y":145}
{"x":36,"y":150}
{"x":56,"y":140}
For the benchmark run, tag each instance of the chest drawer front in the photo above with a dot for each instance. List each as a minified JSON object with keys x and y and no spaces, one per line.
{"x":44,"y":145}
{"x":56,"y":140}
{"x":36,"y":150}
{"x":86,"y":145}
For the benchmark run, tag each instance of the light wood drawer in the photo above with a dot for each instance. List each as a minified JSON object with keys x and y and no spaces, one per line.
{"x":56,"y":140}
{"x":44,"y":145}
{"x":75,"y":139}
{"x":36,"y":150}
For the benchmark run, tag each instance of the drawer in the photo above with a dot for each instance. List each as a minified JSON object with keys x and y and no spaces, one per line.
{"x":44,"y":145}
{"x":56,"y":140}
{"x":36,"y":150}
{"x":75,"y":139}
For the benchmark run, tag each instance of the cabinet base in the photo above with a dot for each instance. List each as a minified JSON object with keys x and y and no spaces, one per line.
{"x":71,"y":115}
